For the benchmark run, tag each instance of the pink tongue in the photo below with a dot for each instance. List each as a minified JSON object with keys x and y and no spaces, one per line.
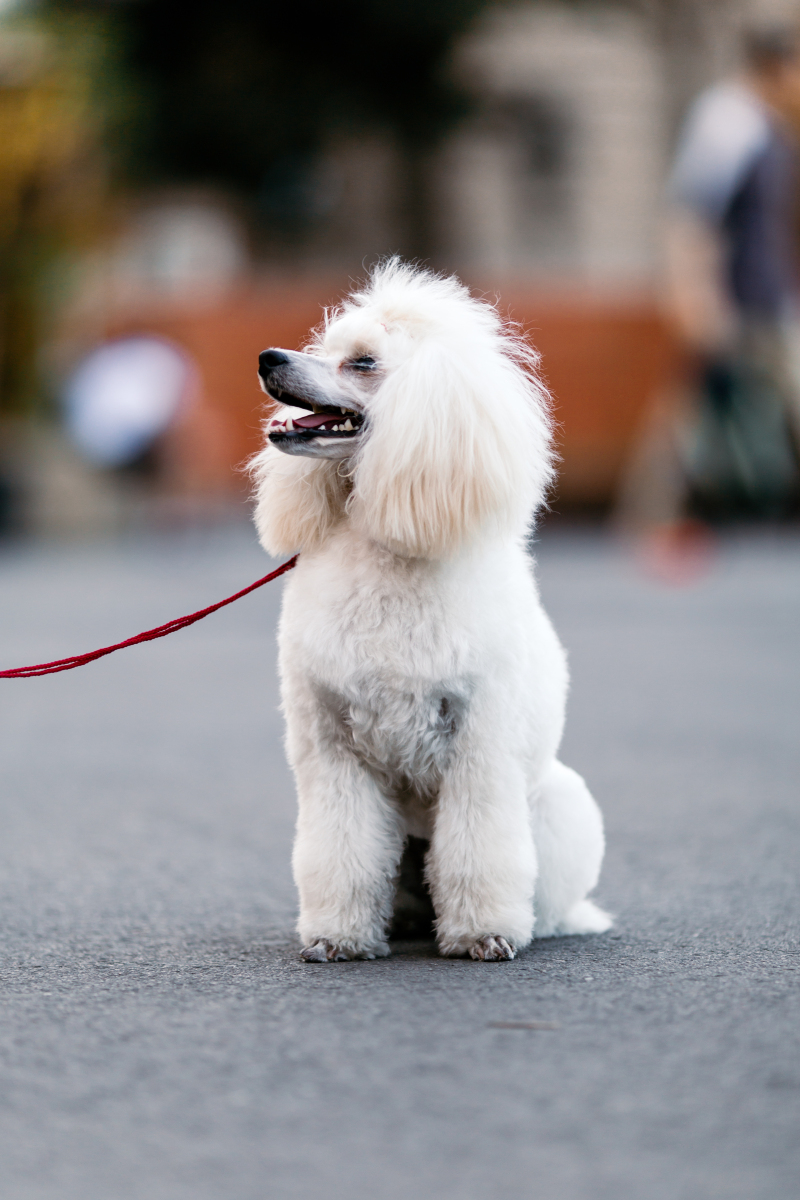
{"x":314,"y":421}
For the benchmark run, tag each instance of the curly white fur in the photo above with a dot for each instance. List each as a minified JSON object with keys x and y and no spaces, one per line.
{"x":423,"y":685}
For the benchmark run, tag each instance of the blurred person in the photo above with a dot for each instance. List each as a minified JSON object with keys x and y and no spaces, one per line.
{"x":725,"y":446}
{"x":134,"y":406}
{"x":123,"y":397}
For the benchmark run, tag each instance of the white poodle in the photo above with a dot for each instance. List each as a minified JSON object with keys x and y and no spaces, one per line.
{"x":423,"y":685}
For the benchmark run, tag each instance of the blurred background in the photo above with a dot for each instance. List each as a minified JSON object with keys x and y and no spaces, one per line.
{"x":182,"y":185}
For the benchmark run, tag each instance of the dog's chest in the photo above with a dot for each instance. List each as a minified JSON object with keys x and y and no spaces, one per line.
{"x":379,"y":629}
{"x":391,"y":663}
{"x":404,"y":736}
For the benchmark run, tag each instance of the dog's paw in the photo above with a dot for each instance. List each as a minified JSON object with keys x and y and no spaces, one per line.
{"x":325,"y":951}
{"x":492,"y":948}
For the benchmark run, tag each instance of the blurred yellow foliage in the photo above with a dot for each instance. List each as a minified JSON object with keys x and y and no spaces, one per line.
{"x":53,"y":179}
{"x":43,"y":112}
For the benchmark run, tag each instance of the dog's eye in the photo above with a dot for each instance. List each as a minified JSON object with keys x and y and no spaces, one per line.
{"x":365,"y":363}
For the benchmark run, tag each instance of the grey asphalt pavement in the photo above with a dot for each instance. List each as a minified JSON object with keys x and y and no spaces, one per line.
{"x":161,"y":1040}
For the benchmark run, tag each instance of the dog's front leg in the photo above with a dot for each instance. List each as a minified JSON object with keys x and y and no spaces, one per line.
{"x":481,"y":866}
{"x":346,"y":853}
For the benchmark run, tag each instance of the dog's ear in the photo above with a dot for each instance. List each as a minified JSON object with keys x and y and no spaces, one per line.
{"x":458,"y":444}
{"x":298,"y":500}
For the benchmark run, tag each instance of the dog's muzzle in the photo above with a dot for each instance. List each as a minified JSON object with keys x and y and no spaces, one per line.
{"x":326,"y":421}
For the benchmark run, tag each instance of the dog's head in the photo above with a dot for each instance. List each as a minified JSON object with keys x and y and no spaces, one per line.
{"x":322,"y":400}
{"x":414,"y":412}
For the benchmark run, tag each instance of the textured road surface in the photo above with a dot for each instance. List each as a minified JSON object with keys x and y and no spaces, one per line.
{"x":160,"y":1040}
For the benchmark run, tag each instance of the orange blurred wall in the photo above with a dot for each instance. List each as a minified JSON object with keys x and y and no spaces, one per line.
{"x":603,"y":359}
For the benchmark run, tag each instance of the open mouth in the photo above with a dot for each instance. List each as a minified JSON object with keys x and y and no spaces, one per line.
{"x":325,"y":420}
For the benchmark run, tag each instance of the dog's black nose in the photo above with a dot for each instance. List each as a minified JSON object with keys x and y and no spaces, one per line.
{"x":269,"y":359}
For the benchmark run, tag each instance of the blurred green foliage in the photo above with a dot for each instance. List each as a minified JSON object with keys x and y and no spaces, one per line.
{"x":245,"y":94}
{"x":61,"y":92}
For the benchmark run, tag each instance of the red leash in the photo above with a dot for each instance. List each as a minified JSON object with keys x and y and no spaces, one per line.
{"x":149,"y":635}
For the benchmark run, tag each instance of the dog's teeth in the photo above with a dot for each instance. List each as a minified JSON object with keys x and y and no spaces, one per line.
{"x":348,"y":425}
{"x":342,"y":410}
{"x":279,"y":392}
{"x":289,"y":424}
{"x":336,"y":429}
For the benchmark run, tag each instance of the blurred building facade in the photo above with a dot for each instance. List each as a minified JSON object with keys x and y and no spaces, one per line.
{"x":558,"y":174}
